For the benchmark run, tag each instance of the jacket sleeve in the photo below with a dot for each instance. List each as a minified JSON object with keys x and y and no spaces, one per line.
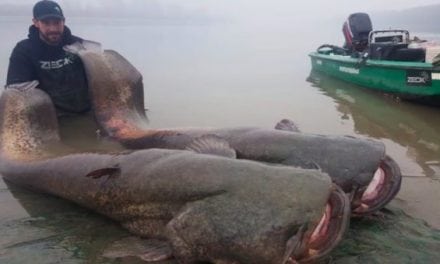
{"x":20,"y":68}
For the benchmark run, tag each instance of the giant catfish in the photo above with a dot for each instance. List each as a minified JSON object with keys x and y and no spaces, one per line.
{"x":359,"y":166}
{"x":208,"y":208}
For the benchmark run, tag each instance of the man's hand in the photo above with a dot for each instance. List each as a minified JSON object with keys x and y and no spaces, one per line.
{"x":24,"y":86}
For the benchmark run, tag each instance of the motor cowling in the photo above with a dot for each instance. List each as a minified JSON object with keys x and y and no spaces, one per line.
{"x":356,"y":30}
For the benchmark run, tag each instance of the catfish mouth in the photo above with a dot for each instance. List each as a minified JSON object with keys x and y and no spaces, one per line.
{"x":316,"y":242}
{"x":381,"y":190}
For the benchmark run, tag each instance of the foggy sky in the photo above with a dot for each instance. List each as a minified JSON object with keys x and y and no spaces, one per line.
{"x":252,"y":9}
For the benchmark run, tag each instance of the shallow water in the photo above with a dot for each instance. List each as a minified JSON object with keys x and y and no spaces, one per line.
{"x":50,"y":230}
{"x":224,"y":74}
{"x":391,"y":237}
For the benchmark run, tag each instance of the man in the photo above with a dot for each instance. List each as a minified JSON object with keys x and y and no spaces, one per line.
{"x":41,"y":57}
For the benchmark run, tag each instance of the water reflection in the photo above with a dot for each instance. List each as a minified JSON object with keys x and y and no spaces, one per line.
{"x":411,"y":134}
{"x":83,"y":134}
{"x":52,"y":230}
{"x":415,"y":127}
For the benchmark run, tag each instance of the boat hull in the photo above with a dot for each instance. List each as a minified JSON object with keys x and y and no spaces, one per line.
{"x":407,"y":80}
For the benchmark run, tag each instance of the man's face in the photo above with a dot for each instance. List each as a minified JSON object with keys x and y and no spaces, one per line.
{"x":51,"y":29}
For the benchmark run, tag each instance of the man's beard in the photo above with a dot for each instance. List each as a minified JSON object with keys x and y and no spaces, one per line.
{"x":52,"y":38}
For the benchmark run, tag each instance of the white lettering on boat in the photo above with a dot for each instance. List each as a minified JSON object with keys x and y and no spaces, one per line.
{"x":436,"y":76}
{"x":319,"y":62}
{"x":348,"y":70}
{"x":416,"y":80}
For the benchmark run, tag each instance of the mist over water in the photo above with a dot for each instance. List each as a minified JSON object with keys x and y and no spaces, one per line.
{"x":240,"y":64}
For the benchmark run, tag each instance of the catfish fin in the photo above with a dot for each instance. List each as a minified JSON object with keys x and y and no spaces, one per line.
{"x":212,"y":144}
{"x":111,"y":172}
{"x":148,"y":250}
{"x":121,"y":152}
{"x":293,"y":245}
{"x":287,"y":125}
{"x":298,"y":161}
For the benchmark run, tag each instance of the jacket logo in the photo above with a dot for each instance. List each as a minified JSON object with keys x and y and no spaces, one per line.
{"x":50,"y":65}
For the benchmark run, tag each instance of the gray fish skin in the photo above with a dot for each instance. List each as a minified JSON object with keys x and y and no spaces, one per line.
{"x":209,"y":208}
{"x":119,"y":109}
{"x":349,"y":161}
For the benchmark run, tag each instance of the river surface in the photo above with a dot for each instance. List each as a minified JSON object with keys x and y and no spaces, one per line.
{"x":224,"y":74}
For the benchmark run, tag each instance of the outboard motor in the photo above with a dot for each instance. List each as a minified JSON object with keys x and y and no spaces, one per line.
{"x":356,"y":30}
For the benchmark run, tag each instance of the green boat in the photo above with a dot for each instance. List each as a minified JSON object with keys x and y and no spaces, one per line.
{"x":381,"y":60}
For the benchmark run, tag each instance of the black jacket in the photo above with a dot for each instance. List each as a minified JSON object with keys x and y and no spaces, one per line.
{"x":60,"y":74}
